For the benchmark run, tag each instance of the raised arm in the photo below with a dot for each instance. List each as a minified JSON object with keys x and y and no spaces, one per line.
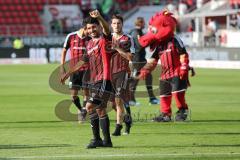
{"x":101,"y":20}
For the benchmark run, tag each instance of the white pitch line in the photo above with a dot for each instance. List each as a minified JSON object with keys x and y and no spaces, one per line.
{"x":123,"y":155}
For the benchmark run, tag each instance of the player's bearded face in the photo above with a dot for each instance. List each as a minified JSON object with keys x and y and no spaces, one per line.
{"x":93,"y":30}
{"x":116,"y":25}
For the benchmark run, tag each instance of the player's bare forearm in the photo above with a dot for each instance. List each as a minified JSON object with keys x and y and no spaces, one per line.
{"x":76,"y":67}
{"x":147,"y":69}
{"x":126,"y":55}
{"x":104,"y":25}
{"x":151,"y":65}
{"x":71,"y":71}
{"x":63,"y":59}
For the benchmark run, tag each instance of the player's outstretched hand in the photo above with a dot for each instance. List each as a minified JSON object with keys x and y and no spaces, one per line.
{"x":193,"y":73}
{"x":94,"y":14}
{"x":184,"y":71}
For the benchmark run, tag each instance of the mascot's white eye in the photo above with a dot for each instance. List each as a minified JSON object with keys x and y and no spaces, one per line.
{"x":153,"y":29}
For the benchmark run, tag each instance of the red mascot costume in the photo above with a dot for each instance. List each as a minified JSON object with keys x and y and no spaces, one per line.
{"x":169,"y":49}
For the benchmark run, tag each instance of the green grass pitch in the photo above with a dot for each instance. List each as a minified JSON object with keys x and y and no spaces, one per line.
{"x":29,"y":128}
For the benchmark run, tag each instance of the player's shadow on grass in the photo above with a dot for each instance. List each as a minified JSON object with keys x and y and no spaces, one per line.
{"x":186,"y":146}
{"x":217,"y":120}
{"x":33,"y":146}
{"x":33,"y":122}
{"x":188,"y":133}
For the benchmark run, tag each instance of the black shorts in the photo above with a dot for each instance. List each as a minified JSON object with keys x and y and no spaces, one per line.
{"x":100,"y":93}
{"x":120,"y":84}
{"x":169,"y":86}
{"x":79,"y":80}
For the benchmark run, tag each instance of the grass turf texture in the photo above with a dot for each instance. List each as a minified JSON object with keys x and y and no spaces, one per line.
{"x":29,"y":128}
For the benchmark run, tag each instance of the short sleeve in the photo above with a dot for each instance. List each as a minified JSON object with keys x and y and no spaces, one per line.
{"x":155,"y":54}
{"x":66,"y":44}
{"x":179,"y":45}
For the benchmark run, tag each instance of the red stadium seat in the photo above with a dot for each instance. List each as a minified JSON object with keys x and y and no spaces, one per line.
{"x":25,"y":8}
{"x":15,"y":2}
{"x":14,"y":14}
{"x":16,"y":20}
{"x":24,"y":2}
{"x":11,"y":7}
{"x":9,"y":21}
{"x":19,"y":7}
{"x":2,"y":2}
{"x":53,"y":1}
{"x":28,"y":14}
{"x":3,"y":30}
{"x":21,"y":14}
{"x":2,"y":21}
{"x":32,"y":2}
{"x":35,"y":14}
{"x":3,"y":8}
{"x":67,"y":1}
{"x":33,"y":7}
{"x":8,"y":1}
{"x":24,"y":20}
{"x":7,"y":14}
{"x":40,"y":7}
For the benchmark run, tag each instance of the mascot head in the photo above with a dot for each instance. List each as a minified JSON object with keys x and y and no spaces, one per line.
{"x":161,"y":28}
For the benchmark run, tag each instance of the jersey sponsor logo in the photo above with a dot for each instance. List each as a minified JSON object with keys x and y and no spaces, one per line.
{"x":92,"y":49}
{"x":167,"y":50}
{"x":79,"y":48}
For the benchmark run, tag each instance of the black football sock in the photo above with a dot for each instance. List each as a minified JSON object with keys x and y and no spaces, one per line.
{"x":127,"y":107}
{"x":84,"y":103}
{"x":94,"y":120}
{"x":149,"y":87}
{"x":76,"y":101}
{"x":105,"y":124}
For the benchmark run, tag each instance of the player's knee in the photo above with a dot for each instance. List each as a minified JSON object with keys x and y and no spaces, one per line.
{"x":119,"y":101}
{"x":93,"y":115}
{"x":101,"y":112}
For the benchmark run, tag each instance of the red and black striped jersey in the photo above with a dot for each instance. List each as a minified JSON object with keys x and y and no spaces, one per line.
{"x":119,"y":63}
{"x":99,"y":55}
{"x":169,"y":55}
{"x":77,"y":46}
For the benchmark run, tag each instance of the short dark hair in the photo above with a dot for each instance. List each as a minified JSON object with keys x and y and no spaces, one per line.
{"x":139,"y":20}
{"x":90,"y":20}
{"x":117,"y":16}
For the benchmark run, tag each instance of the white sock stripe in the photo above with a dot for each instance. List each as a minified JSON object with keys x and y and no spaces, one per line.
{"x":179,"y":91}
{"x":165,"y":96}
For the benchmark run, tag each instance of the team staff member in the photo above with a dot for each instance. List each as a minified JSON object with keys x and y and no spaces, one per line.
{"x":139,"y":61}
